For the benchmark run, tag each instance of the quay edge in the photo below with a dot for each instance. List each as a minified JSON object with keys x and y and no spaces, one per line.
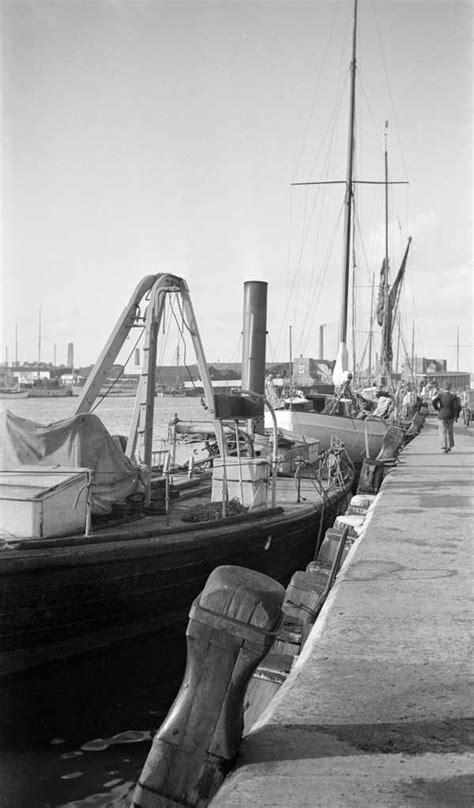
{"x":379,"y":707}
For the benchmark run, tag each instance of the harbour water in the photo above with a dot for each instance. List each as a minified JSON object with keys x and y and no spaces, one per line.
{"x":76,"y":733}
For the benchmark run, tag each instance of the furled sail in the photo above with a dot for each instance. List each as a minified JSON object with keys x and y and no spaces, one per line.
{"x":386,"y":316}
{"x":381,"y":294}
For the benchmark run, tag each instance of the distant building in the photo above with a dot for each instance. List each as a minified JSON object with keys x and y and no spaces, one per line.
{"x":435,"y":370}
{"x":308,"y":372}
{"x":423,"y":365}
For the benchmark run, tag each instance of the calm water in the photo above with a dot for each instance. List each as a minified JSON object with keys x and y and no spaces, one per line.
{"x":77,"y":732}
{"x":114,"y":412}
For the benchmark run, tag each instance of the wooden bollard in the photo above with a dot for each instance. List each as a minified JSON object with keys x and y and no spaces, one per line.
{"x":307,"y":591}
{"x":232,"y":626}
{"x":303,"y":594}
{"x":371,"y":476}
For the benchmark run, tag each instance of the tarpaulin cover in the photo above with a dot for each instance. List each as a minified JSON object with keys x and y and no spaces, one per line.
{"x":81,"y":441}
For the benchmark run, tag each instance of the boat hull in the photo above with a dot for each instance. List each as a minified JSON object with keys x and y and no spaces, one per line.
{"x":16,"y":394}
{"x":53,"y":392}
{"x":64,"y":597}
{"x":361,"y":437}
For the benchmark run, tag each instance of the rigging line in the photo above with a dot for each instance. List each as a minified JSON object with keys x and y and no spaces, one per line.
{"x":318,"y":200}
{"x":100,"y":398}
{"x":335,"y":116}
{"x":160,"y":356}
{"x":235,"y":350}
{"x":185,"y":346}
{"x":271,"y":349}
{"x":325,"y":264}
{"x":330,"y":143}
{"x":384,"y":62}
{"x":362,"y":242}
{"x":375,"y":128}
{"x":177,"y":300}
{"x":291,"y":291}
{"x":310,"y":301}
{"x":329,"y":138}
{"x":323,"y":62}
{"x":340,"y":84}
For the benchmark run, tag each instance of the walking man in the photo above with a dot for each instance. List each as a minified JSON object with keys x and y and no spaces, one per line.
{"x":447,"y":406}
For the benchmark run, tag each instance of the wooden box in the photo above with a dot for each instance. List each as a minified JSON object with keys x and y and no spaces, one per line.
{"x":42,"y":502}
{"x":247,"y":480}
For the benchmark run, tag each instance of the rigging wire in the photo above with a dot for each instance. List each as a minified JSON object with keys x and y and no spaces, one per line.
{"x":323,"y":62}
{"x":314,"y":295}
{"x":181,"y":328}
{"x":308,"y":218}
{"x":384,"y":62}
{"x":327,"y":142}
{"x":100,"y":398}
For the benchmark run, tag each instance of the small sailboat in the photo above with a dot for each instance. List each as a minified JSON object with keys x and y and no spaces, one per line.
{"x":362,"y":434}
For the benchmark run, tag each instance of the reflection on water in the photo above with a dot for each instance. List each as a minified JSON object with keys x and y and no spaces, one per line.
{"x":77,"y":732}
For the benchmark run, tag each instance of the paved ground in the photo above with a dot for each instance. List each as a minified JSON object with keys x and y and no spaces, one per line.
{"x":379,"y":709}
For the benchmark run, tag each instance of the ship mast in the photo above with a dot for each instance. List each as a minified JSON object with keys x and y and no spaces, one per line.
{"x":386,"y":360}
{"x":349,"y":195}
{"x":342,"y":361}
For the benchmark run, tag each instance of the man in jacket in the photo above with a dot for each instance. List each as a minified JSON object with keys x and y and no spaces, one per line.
{"x":447,"y":406}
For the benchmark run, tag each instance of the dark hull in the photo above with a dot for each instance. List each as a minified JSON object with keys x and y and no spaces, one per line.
{"x":63,"y":597}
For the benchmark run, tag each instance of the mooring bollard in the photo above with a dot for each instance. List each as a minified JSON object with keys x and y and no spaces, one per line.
{"x":232,"y":625}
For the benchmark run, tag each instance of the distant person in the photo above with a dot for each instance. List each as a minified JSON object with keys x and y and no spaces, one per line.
{"x":448,"y":407}
{"x":384,"y":404}
{"x":408,"y":403}
{"x":466,"y":407}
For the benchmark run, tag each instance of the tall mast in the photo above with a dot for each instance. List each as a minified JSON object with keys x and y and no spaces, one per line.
{"x":348,"y":199}
{"x":371,"y":332}
{"x":386,"y":369}
{"x":386,"y":199}
{"x":39,"y":345}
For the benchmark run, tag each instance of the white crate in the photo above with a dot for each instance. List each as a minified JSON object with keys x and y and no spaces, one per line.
{"x":247,"y":480}
{"x":42,"y":502}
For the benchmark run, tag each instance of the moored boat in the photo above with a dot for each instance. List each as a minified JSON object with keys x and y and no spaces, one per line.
{"x":343,"y":418}
{"x":141,"y":541}
{"x":48,"y":388}
{"x":13,"y":393}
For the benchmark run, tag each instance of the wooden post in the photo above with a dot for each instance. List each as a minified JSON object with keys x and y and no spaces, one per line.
{"x":232,"y":626}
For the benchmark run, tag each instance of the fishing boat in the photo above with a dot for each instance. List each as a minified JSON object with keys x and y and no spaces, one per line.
{"x":14,"y":392}
{"x":100,"y":542}
{"x":122,"y":387}
{"x":363,"y":435}
{"x":47,"y":388}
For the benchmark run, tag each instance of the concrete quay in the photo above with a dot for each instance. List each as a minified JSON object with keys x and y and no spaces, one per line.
{"x":378,"y":711}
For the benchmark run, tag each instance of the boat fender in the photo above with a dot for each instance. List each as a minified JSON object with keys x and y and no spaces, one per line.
{"x":232,"y":625}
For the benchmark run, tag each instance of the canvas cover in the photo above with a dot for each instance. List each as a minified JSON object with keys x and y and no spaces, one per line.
{"x":81,"y":441}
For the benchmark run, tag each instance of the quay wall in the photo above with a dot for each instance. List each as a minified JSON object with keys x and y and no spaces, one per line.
{"x":378,"y":710}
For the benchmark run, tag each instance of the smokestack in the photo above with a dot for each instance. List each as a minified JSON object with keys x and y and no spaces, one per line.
{"x":70,"y":355}
{"x":254,"y":341}
{"x":321,"y":341}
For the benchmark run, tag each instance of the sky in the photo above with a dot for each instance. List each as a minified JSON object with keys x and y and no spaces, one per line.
{"x":144,"y":137}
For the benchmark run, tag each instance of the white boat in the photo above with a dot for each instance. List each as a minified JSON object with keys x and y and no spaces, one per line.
{"x":362,"y":435}
{"x":361,"y":438}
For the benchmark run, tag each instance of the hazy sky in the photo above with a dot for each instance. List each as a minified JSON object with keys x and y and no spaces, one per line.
{"x":142,"y":137}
